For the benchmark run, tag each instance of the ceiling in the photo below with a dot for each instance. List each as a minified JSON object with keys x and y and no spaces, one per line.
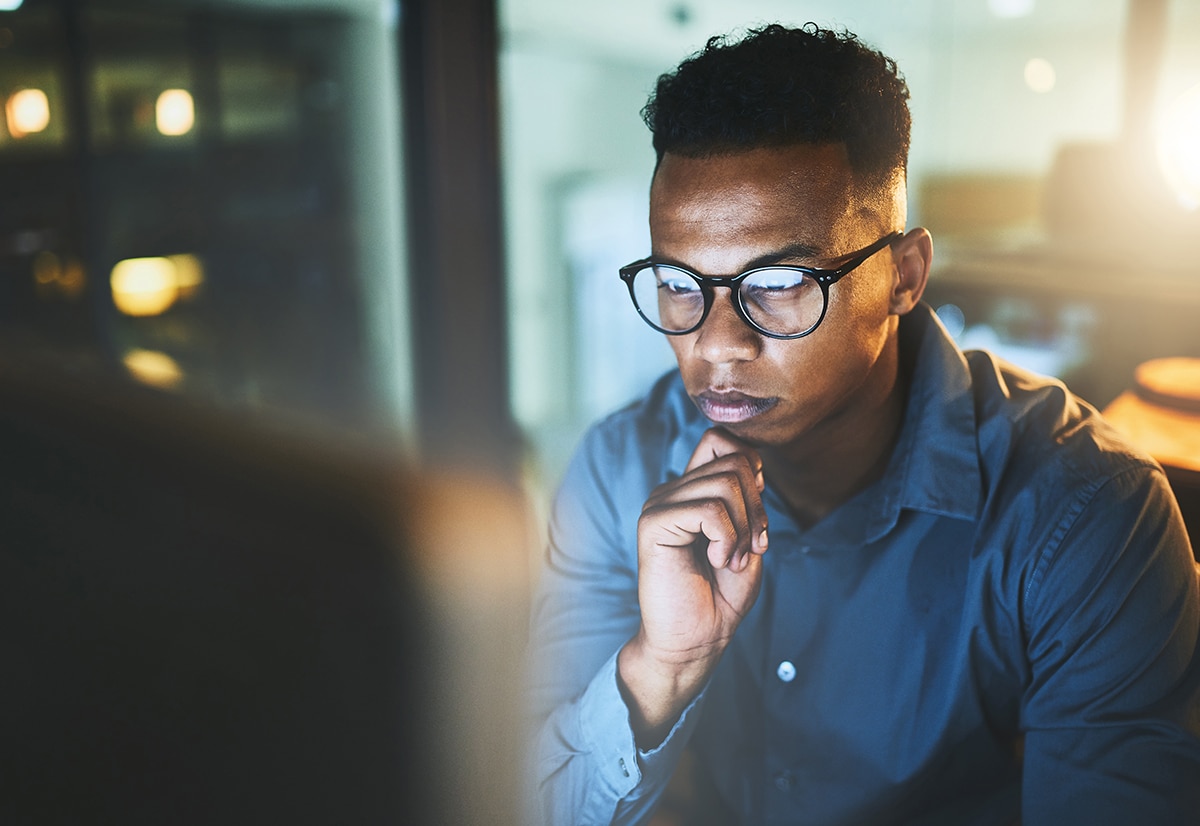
{"x":657,"y":31}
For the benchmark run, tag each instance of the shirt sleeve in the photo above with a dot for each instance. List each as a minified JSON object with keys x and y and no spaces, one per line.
{"x":583,"y":765}
{"x":1112,"y":616}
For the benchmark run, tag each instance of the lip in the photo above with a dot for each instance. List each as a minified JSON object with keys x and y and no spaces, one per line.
{"x":732,"y":406}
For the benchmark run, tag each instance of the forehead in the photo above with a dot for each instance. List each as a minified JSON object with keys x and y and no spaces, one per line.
{"x":803,"y":193}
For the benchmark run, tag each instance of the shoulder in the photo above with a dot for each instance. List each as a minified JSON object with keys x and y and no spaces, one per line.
{"x":1033,"y":430}
{"x":628,"y":453}
{"x":1063,"y":490}
{"x":641,"y":438}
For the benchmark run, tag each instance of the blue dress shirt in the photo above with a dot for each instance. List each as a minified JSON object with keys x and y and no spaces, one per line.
{"x":1004,"y":626}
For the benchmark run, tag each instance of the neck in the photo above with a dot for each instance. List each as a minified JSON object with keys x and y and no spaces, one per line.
{"x":844,"y":454}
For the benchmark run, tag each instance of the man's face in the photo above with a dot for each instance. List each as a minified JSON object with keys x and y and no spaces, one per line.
{"x":791,"y":205}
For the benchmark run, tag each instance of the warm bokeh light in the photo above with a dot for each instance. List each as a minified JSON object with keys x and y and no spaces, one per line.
{"x":153,"y":368}
{"x":58,"y":278}
{"x":151,"y":286}
{"x":189,"y":274}
{"x":174,"y":112}
{"x":27,"y":112}
{"x":1039,"y":75}
{"x":1179,"y":147}
{"x":144,"y":286}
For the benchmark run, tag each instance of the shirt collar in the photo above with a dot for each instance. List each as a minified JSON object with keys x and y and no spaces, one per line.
{"x":935,"y":466}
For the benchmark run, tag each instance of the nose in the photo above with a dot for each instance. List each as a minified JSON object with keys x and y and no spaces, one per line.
{"x":724,"y":336}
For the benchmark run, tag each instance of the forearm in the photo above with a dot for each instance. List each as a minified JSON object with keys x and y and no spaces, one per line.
{"x":586,"y":766}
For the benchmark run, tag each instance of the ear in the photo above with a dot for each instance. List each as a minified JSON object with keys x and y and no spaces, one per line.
{"x":912,"y":256}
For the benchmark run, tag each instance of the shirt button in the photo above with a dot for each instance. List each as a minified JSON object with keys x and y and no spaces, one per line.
{"x":786,"y":671}
{"x":784,"y":781}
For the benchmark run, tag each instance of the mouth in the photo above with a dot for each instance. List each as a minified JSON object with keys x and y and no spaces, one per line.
{"x":731,"y":407}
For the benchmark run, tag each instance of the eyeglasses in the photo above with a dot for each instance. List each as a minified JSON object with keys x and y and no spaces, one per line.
{"x":779,"y":301}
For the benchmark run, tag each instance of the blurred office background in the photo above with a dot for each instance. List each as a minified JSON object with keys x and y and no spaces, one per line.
{"x":365,"y":213}
{"x":398,"y":224}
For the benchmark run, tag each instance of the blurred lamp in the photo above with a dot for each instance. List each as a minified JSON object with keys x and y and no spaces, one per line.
{"x":1179,"y":148}
{"x":1039,"y":75}
{"x":151,"y":286}
{"x":144,"y":286}
{"x":10,"y":5}
{"x":174,"y":112}
{"x":153,"y":368}
{"x":27,"y":112}
{"x":1011,"y":8}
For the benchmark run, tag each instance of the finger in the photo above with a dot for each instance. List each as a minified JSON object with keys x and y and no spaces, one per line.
{"x":678,"y":526}
{"x":727,"y":479}
{"x":717,"y":442}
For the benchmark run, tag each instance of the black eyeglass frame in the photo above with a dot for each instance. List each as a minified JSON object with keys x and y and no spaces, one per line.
{"x":824,"y":279}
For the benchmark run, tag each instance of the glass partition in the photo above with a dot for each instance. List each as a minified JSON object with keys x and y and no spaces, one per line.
{"x":206,"y":198}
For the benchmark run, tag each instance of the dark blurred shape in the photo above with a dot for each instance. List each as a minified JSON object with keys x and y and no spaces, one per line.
{"x":209,"y":620}
{"x":1161,"y":414}
{"x":456,"y":249}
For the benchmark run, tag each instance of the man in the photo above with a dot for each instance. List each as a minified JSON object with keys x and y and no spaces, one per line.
{"x":858,"y":576}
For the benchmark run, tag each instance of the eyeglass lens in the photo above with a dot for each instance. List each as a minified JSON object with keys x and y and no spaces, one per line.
{"x":780,"y":301}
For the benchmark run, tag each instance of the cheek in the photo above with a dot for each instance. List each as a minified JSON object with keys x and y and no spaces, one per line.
{"x":862,"y":310}
{"x":682,"y":347}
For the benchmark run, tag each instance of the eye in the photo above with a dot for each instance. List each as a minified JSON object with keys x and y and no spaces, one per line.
{"x":772,"y":284}
{"x":675,"y":282}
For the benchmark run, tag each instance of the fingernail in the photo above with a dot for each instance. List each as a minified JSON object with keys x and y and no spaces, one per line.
{"x":762,"y":540}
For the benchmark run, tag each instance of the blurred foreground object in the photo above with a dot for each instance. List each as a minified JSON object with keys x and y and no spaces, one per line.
{"x":1161,"y":415}
{"x":212,"y":620}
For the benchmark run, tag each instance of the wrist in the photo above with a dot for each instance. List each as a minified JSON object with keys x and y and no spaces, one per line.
{"x":657,"y":688}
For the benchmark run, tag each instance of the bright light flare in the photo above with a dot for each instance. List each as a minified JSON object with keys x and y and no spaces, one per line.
{"x":1179,"y":147}
{"x":175,"y":112}
{"x":27,"y":112}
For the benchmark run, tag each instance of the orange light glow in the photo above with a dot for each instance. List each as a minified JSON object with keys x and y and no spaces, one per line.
{"x":27,"y":112}
{"x":174,"y":112}
{"x":54,"y":277}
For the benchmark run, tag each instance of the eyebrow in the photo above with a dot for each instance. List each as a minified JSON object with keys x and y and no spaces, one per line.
{"x":789,"y":252}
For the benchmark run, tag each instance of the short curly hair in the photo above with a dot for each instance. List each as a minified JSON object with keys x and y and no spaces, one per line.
{"x":780,"y":86}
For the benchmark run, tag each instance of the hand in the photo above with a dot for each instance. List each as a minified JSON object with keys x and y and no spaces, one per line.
{"x":700,"y":543}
